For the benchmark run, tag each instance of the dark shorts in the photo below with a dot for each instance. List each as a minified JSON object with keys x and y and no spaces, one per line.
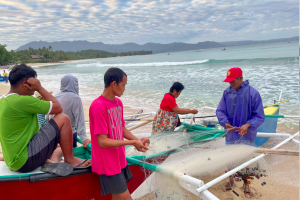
{"x":74,"y":139}
{"x":41,"y":146}
{"x":115,"y":184}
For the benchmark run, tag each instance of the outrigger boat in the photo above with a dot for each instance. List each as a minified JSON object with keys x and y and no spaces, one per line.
{"x":84,"y":184}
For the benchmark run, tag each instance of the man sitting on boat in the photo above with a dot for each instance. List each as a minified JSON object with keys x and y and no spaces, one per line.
{"x":240,"y":110}
{"x":26,"y":147}
{"x":108,"y":132}
{"x":71,"y":103}
{"x":166,"y":118}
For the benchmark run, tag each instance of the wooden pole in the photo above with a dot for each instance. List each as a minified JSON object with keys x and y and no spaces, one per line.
{"x":265,"y":151}
{"x":138,"y":125}
{"x":278,"y":152}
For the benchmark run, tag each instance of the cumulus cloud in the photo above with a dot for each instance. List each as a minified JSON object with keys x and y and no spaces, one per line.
{"x":142,"y":21}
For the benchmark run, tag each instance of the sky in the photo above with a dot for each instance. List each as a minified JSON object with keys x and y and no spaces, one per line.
{"x":142,"y":21}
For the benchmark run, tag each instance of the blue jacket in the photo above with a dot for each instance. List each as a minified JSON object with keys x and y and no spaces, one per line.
{"x":238,"y":108}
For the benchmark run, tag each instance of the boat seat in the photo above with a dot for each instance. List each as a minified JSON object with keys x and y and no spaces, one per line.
{"x":5,"y":171}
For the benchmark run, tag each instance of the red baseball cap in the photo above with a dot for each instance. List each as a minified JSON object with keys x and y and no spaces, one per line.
{"x":232,"y":73}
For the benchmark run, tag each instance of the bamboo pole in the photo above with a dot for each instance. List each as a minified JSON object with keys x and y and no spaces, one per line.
{"x":278,"y":152}
{"x":138,"y":125}
{"x":265,"y":151}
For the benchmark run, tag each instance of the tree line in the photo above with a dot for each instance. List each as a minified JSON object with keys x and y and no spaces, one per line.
{"x":48,"y":55}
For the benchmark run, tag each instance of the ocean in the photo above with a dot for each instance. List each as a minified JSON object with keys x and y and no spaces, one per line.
{"x":268,"y":67}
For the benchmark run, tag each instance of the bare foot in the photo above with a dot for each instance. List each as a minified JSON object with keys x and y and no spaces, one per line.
{"x":50,"y":161}
{"x":1,"y":159}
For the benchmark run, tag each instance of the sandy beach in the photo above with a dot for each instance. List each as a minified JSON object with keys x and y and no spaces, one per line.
{"x":63,"y":62}
{"x":282,"y":181}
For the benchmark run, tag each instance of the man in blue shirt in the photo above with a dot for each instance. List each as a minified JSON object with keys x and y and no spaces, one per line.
{"x":240,"y":110}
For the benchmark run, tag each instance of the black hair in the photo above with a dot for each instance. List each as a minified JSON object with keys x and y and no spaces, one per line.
{"x":176,"y":86}
{"x":21,"y":73}
{"x":113,"y":74}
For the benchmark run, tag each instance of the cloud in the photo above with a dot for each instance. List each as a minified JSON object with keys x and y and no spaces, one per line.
{"x":141,"y":21}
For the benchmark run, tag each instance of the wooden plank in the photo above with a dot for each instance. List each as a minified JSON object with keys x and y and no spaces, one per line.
{"x":278,"y":152}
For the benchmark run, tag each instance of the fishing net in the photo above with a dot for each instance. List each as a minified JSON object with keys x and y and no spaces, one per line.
{"x":201,"y":154}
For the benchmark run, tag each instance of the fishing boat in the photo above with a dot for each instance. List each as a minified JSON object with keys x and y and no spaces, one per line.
{"x":84,"y":184}
{"x":80,"y":184}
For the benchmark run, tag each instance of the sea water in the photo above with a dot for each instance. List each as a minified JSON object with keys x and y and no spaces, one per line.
{"x":268,"y":67}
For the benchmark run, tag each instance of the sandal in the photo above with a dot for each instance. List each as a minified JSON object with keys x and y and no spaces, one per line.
{"x":87,"y":166}
{"x":61,"y":169}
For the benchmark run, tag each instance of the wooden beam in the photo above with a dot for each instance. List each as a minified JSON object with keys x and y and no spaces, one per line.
{"x":265,"y":151}
{"x":278,"y":152}
{"x":138,"y":125}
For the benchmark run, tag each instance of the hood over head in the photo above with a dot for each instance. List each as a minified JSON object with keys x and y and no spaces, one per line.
{"x":69,"y":83}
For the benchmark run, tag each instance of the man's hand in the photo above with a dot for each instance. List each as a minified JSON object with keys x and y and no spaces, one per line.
{"x":243,"y":130}
{"x":139,"y":146}
{"x":33,"y":84}
{"x":145,"y":141}
{"x":85,"y":143}
{"x":229,"y":127}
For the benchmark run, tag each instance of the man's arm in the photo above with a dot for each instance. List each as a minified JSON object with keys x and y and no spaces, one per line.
{"x":35,"y":85}
{"x":78,"y":112}
{"x":222,"y":113}
{"x":258,"y":115}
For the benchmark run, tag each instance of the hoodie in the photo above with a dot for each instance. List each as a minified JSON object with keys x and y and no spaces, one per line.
{"x":72,"y":105}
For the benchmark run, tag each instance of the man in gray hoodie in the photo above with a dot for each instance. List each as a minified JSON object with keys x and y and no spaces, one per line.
{"x":72,"y":106}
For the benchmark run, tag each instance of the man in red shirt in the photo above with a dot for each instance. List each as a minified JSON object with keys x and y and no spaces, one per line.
{"x":166,"y":118}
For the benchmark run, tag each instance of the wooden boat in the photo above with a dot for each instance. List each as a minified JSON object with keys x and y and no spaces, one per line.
{"x":84,"y":184}
{"x":80,"y":184}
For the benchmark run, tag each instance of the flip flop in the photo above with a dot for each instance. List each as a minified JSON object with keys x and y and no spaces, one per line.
{"x":77,"y":166}
{"x":61,"y":169}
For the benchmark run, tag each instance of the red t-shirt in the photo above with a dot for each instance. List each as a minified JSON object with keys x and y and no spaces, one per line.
{"x":168,"y":102}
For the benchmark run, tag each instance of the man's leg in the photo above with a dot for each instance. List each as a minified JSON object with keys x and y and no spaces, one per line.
{"x":66,"y":140}
{"x":123,"y":196}
{"x":1,"y":159}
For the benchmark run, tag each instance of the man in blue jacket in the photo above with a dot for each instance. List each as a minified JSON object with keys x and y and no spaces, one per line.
{"x":240,"y":110}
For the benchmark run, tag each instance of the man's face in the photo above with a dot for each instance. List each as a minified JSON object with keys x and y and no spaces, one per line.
{"x":236,"y":83}
{"x":118,"y":89}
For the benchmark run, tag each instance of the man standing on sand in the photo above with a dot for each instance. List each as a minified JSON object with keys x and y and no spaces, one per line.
{"x":108,"y":132}
{"x":240,"y":110}
{"x":5,"y":74}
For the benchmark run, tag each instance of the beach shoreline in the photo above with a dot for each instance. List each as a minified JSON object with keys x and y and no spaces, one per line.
{"x":66,"y":61}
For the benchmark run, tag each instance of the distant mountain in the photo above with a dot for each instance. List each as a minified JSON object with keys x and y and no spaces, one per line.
{"x":155,"y":47}
{"x":116,"y":48}
{"x":248,"y":42}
